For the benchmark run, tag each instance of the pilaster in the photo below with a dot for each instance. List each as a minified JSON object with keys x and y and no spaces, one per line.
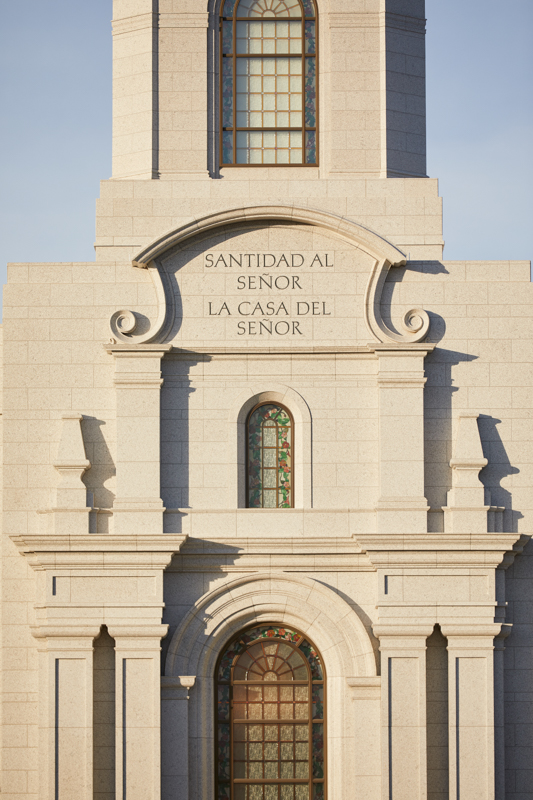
{"x":98,"y":580}
{"x":364,"y":766}
{"x":175,"y":735}
{"x":138,"y":507}
{"x":471,"y":710}
{"x":403,"y":711}
{"x":138,"y":717}
{"x":65,"y":711}
{"x":402,"y":506}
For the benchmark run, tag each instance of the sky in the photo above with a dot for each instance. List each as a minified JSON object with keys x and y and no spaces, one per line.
{"x":55,"y":136}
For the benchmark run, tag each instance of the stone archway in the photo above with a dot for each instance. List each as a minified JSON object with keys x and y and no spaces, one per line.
{"x":289,"y":599}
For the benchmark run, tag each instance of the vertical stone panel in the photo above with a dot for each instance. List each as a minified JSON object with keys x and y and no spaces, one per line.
{"x":71,"y":728}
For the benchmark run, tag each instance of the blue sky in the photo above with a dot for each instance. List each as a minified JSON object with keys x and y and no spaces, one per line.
{"x":55,"y":63}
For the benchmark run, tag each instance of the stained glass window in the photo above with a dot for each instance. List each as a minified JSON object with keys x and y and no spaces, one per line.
{"x":270,"y":742}
{"x":268,"y":83}
{"x":270,"y":457}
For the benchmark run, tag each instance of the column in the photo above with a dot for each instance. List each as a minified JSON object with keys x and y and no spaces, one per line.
{"x":402,"y":506}
{"x":175,"y":735}
{"x":138,"y":507}
{"x":138,"y":711}
{"x":403,"y":711}
{"x":65,"y":713}
{"x":471,"y":711}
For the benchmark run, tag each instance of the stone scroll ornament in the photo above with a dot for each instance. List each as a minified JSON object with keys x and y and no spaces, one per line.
{"x":415,"y":321}
{"x":125,"y":324}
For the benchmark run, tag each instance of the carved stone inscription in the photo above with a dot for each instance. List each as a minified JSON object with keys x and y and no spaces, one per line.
{"x":272,"y":293}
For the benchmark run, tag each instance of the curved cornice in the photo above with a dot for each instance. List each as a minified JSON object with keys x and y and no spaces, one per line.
{"x":385,"y":255}
{"x":371,"y":242}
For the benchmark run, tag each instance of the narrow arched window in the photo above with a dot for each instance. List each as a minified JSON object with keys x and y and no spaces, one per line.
{"x":270,"y":478}
{"x":270,"y":742}
{"x":268,"y":81}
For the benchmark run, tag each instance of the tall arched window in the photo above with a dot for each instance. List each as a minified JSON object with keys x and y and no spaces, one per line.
{"x":270,"y":478}
{"x":270,"y":717}
{"x":268,"y":83}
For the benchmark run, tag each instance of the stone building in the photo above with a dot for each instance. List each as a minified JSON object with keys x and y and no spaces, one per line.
{"x":267,"y":481}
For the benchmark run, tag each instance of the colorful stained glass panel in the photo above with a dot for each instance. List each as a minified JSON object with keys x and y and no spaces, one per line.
{"x":310,"y":38}
{"x":318,"y":791}
{"x":224,"y":791}
{"x":313,"y":659}
{"x":223,"y":703}
{"x":310,"y":147}
{"x":224,"y":752}
{"x":229,"y":5}
{"x":309,"y":8}
{"x":269,"y":456}
{"x":310,"y":92}
{"x":227,"y":147}
{"x":227,"y":36}
{"x":227,"y":92}
{"x":318,"y":750}
{"x":318,"y":702}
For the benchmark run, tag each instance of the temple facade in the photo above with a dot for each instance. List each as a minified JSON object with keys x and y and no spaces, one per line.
{"x":267,"y":486}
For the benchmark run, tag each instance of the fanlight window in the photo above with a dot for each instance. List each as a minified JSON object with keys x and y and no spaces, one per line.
{"x":268,"y":82}
{"x":270,"y":718}
{"x":270,"y":460}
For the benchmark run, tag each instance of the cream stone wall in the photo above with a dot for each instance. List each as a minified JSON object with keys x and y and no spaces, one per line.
{"x":129,"y":558}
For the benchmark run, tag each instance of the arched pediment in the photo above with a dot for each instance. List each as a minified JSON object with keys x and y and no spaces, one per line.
{"x":272,"y":597}
{"x":382,"y":253}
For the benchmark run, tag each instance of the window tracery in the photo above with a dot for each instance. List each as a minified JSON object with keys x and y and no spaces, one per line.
{"x":270,"y":717}
{"x":269,"y":82}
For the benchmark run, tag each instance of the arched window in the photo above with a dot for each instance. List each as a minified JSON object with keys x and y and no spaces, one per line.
{"x":268,"y":83}
{"x":270,"y":717}
{"x":270,"y":478}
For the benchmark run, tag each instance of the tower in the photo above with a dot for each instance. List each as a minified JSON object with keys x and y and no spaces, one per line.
{"x":247,"y":546}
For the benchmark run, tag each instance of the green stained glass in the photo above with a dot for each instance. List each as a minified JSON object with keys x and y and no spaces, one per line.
{"x":318,"y":750}
{"x":309,"y":8}
{"x":310,"y":92}
{"x":318,"y":791}
{"x":310,"y":147}
{"x":318,"y":702}
{"x":223,"y":702}
{"x":313,"y":659}
{"x":269,"y":458}
{"x":310,"y":38}
{"x":227,"y":36}
{"x":223,"y":791}
{"x":224,"y":752}
{"x":227,"y":92}
{"x":229,"y":5}
{"x":224,"y":669}
{"x":227,"y":147}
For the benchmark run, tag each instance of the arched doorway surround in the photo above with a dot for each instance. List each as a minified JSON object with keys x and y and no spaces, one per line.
{"x":297,"y":602}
